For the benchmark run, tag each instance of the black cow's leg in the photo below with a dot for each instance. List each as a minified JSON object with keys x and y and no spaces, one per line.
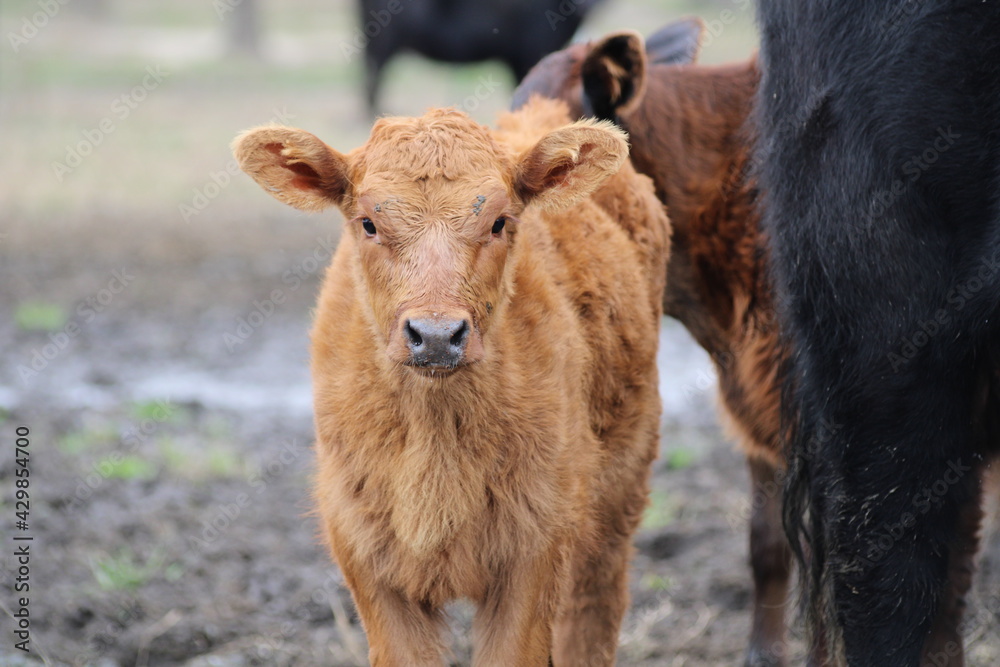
{"x":944,"y":645}
{"x":373,"y":76}
{"x":889,"y":535}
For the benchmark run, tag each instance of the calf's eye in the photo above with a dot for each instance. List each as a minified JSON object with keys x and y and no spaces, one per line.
{"x":369,"y":226}
{"x":498,"y":225}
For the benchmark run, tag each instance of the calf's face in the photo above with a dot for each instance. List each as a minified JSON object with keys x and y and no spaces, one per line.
{"x":432,"y":207}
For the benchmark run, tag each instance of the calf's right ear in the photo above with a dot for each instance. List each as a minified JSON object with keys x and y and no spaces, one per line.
{"x":293,"y":166}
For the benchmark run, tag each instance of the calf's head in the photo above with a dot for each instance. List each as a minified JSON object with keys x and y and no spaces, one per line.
{"x":432,"y":207}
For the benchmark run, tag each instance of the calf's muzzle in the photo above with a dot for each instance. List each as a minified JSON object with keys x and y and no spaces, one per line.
{"x":436,"y":342}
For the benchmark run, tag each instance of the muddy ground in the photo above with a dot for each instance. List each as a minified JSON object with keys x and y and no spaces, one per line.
{"x":158,"y":357}
{"x":171,"y":459}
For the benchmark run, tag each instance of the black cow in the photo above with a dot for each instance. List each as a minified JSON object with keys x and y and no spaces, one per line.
{"x":879,"y":126}
{"x":517,"y":32}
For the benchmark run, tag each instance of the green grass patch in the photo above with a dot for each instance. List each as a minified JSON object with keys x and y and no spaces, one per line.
{"x":218,"y":428}
{"x":679,"y":458}
{"x":161,"y":411}
{"x":39,"y":316}
{"x":201,"y":461}
{"x":124,"y":570}
{"x":223,"y":462}
{"x":661,"y":512}
{"x":87,"y":439}
{"x":126,"y":467}
{"x":655,"y":582}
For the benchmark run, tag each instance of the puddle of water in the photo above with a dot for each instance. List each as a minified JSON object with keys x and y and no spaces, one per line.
{"x":273,"y":378}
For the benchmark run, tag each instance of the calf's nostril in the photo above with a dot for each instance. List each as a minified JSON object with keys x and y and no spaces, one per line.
{"x":458,"y":338}
{"x":412,"y":335}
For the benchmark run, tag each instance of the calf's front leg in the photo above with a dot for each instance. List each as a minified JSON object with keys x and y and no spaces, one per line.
{"x":401,"y":632}
{"x":513,"y":625}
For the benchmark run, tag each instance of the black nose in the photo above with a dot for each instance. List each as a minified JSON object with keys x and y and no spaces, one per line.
{"x":436,"y":343}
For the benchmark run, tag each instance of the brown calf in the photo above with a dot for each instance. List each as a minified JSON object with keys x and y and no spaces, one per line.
{"x":484,"y":374}
{"x":687,"y":129}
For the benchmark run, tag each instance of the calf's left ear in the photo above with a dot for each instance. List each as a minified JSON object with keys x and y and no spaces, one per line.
{"x":570,"y":163}
{"x":293,"y":166}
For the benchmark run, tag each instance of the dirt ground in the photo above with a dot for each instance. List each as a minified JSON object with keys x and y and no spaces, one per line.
{"x":170,"y":479}
{"x":159,"y":361}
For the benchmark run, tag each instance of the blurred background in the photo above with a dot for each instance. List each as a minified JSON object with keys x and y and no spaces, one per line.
{"x":155,"y":307}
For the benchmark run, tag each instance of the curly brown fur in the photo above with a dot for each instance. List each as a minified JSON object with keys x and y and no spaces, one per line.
{"x":688,"y":129}
{"x":517,"y":478}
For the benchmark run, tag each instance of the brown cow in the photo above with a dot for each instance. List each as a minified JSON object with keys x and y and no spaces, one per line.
{"x":687,"y":125}
{"x":484,"y":374}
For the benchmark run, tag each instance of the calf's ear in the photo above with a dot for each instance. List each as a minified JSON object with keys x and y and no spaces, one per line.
{"x":293,"y":166}
{"x":568,"y":164}
{"x":614,"y":75}
{"x":677,"y":43}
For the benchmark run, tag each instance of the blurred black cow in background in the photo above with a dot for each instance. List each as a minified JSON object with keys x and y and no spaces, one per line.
{"x":518,"y":32}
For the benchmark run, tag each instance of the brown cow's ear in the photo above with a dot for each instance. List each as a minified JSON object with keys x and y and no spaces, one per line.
{"x":293,"y":166}
{"x":568,"y":164}
{"x":677,"y":43}
{"x":614,"y":74}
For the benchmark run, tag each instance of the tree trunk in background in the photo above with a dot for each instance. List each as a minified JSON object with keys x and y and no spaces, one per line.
{"x":244,"y":28}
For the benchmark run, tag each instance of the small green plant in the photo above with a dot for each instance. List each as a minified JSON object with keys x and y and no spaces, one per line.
{"x":158,"y":411}
{"x":123,"y":570}
{"x":126,"y":467}
{"x":204,"y":461}
{"x":82,"y":440}
{"x":173,"y":455}
{"x":679,"y":458}
{"x":655,"y":582}
{"x":39,"y":316}
{"x":223,"y":462}
{"x":173,"y":572}
{"x":218,"y":428}
{"x":661,"y":512}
